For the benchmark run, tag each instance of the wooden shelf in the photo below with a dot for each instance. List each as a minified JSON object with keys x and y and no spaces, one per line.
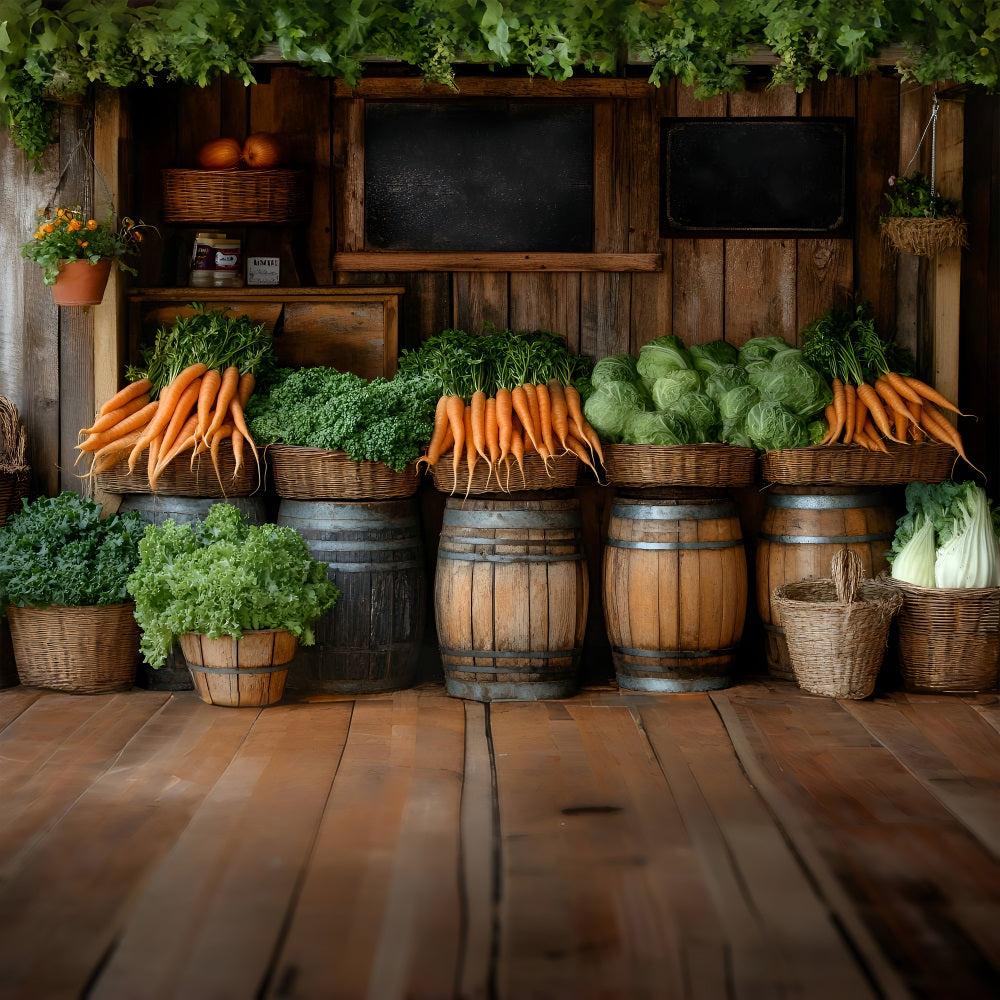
{"x":350,"y":328}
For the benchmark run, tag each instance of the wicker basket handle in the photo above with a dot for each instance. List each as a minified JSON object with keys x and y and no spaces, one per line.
{"x":847,"y":572}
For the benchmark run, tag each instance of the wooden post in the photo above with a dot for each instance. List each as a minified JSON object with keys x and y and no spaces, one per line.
{"x":947,"y":266}
{"x":109,"y":316}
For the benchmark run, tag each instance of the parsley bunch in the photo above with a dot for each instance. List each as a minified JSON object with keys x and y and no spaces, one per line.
{"x":223,"y":576}
{"x":382,"y":420}
{"x":58,"y":551}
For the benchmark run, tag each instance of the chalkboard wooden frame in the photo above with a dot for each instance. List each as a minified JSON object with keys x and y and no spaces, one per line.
{"x":780,"y":178}
{"x":354,"y":255}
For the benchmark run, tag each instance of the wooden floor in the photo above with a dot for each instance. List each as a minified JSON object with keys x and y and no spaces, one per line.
{"x":755,"y":842}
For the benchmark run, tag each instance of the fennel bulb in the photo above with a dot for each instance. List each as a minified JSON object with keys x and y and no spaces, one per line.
{"x":915,"y":561}
{"x":970,"y":557}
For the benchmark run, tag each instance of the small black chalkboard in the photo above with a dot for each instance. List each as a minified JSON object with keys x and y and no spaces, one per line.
{"x":755,"y":176}
{"x":479,"y":176}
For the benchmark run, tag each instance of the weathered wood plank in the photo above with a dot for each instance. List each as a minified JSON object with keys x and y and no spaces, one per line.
{"x":782,"y":935}
{"x":478,"y":260}
{"x":378,"y":913}
{"x":911,"y":872}
{"x":545,"y":301}
{"x":209,"y":917}
{"x":948,"y":748}
{"x":480,"y":298}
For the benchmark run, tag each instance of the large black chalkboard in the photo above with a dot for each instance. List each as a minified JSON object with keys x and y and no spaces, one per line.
{"x":479,"y":175}
{"x":755,"y":176}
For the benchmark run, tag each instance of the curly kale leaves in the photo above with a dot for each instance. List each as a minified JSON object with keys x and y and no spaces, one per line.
{"x":384,"y":420}
{"x":57,"y":550}
{"x":224,"y":576}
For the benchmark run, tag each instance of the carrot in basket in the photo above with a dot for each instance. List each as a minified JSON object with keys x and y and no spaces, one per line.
{"x":840,"y":409}
{"x":492,"y":439}
{"x":940,"y":429}
{"x":477,"y":422}
{"x":170,"y":399}
{"x":237,"y":440}
{"x":545,"y":417}
{"x":435,"y":447}
{"x":505,"y":424}
{"x":582,"y":451}
{"x":522,"y":407}
{"x":227,"y":391}
{"x":517,"y":450}
{"x":876,"y":410}
{"x":456,"y":418}
{"x":830,"y":413}
{"x":133,"y":389}
{"x":185,"y":408}
{"x":112,"y":418}
{"x":560,"y":412}
{"x":850,"y":411}
{"x":930,"y":393}
{"x":574,"y":407}
{"x":470,"y":449}
{"x":138,"y":421}
{"x":239,"y":421}
{"x":225,"y":431}
{"x":183,"y":440}
{"x":207,"y":396}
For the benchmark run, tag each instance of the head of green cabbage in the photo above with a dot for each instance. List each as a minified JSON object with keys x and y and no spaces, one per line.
{"x":771,"y":426}
{"x":609,"y":406}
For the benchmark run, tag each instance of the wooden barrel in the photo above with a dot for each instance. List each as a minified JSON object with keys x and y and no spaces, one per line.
{"x":801,"y":529}
{"x":155,"y":509}
{"x":510,"y":598}
{"x":675,"y":592}
{"x":371,"y":639}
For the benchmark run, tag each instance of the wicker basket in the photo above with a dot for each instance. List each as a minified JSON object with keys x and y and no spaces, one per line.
{"x":318,"y":474}
{"x":561,"y":474}
{"x":850,"y":464}
{"x":85,"y":650}
{"x":924,"y":237}
{"x":650,"y":465}
{"x":181,"y":479}
{"x":13,"y":489}
{"x":233,"y":196}
{"x":948,"y":640}
{"x":837,"y":629}
{"x":14,"y":471}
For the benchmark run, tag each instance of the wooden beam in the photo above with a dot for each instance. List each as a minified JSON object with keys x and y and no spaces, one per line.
{"x":416,"y":88}
{"x":454,"y":260}
{"x":109,"y":316}
{"x":947,"y":272}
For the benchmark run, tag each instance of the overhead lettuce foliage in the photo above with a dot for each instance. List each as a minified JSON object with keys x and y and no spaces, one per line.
{"x":63,"y":48}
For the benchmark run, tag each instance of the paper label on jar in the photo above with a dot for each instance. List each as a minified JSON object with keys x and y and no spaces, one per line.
{"x":226,"y":260}
{"x":204,"y":258}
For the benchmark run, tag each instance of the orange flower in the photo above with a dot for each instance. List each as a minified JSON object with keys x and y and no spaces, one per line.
{"x":91,"y":223}
{"x":74,"y":225}
{"x":48,"y":227}
{"x":83,"y":243}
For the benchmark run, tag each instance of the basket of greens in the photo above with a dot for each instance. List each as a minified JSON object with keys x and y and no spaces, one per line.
{"x":333,"y":435}
{"x":945,"y":560}
{"x":238,"y":596}
{"x":63,"y":574}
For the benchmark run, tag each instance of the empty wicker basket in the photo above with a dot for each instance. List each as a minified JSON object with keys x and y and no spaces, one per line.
{"x":838,"y":629}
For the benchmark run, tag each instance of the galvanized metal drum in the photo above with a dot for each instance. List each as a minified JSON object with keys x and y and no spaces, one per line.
{"x":801,"y":529}
{"x":675,"y":592}
{"x":371,"y":639}
{"x":510,"y":598}
{"x":155,"y":509}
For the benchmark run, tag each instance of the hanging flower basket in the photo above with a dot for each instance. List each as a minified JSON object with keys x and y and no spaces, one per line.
{"x":924,"y":237}
{"x":81,"y":283}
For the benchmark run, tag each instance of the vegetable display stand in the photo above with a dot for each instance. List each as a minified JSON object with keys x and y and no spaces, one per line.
{"x":511,"y":598}
{"x":186,"y":479}
{"x":712,"y":465}
{"x":371,"y":640}
{"x":850,"y":464}
{"x":85,"y":650}
{"x":320,"y":474}
{"x":801,"y":529}
{"x":240,"y":673}
{"x":948,"y":639}
{"x":155,"y":509}
{"x":838,"y":628}
{"x":675,"y":591}
{"x":532,"y":476}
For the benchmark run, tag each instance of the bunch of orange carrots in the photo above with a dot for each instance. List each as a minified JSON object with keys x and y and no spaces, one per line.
{"x":543,"y":418}
{"x":895,"y":407}
{"x":198,"y":409}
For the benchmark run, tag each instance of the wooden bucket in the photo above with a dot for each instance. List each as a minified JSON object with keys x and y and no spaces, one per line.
{"x":510,"y":598}
{"x":675,"y":592}
{"x":240,"y":673}
{"x":371,"y":640}
{"x":801,"y":529}
{"x":155,"y":509}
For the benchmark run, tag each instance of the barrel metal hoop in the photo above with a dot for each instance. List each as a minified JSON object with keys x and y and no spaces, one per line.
{"x":778,"y":629}
{"x":236,"y":670}
{"x":492,"y":520}
{"x":616,"y":543}
{"x":512,"y":558}
{"x":505,"y":654}
{"x":375,"y":567}
{"x":824,"y":539}
{"x":672,"y":512}
{"x":520,"y":540}
{"x":569,"y":673}
{"x":824,"y":502}
{"x":672,"y":654}
{"x":359,"y":544}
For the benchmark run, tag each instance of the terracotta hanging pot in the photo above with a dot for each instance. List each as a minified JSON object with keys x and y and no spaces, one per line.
{"x":81,"y":283}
